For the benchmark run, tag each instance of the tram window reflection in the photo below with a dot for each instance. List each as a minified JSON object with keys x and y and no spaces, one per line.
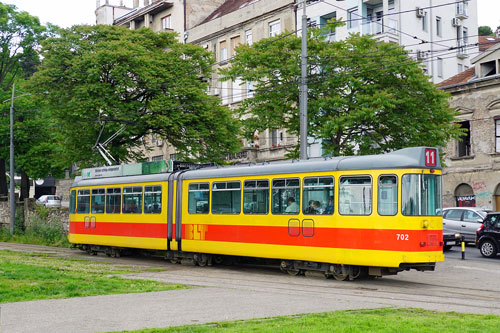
{"x":113,"y":200}
{"x":199,"y":198}
{"x":256,"y":197}
{"x":226,"y":197}
{"x":318,"y":194}
{"x":152,"y":199}
{"x":132,"y":200}
{"x":83,"y":202}
{"x":97,"y":202}
{"x":355,"y":195}
{"x":387,"y":195}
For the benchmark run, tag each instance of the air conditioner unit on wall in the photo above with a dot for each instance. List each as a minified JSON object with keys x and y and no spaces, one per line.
{"x":455,"y":22}
{"x":419,"y":12}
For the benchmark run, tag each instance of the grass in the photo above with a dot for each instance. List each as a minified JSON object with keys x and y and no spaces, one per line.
{"x":355,"y":321}
{"x":29,"y":276}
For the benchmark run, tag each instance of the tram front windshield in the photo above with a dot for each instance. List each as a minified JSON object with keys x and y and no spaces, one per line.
{"x":421,"y":195}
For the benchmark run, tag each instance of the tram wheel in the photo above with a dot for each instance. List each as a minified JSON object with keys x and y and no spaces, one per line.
{"x":293,"y":271}
{"x":340,"y":273}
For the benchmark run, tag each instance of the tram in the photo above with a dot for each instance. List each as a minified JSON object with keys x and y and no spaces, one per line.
{"x":345,"y":216}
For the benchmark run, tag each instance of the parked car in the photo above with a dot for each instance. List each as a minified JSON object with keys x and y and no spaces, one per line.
{"x":488,"y":235}
{"x":49,"y":201}
{"x":450,"y":238}
{"x":464,"y":220}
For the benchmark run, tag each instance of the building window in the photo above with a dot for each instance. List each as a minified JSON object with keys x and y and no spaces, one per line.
{"x":157,"y":158}
{"x":463,"y":145}
{"x":440,"y":67}
{"x":166,"y":22}
{"x":497,"y":136}
{"x":226,"y":197}
{"x":391,"y":4}
{"x":248,"y":37}
{"x":173,"y":157}
{"x":223,"y":51}
{"x":460,"y":69}
{"x":237,"y":90}
{"x":274,"y":28}
{"x":352,"y":18}
{"x":224,"y":93}
{"x":438,"y":26}
{"x":465,"y":35}
{"x":250,"y":90}
{"x":424,"y":22}
{"x":235,"y":41}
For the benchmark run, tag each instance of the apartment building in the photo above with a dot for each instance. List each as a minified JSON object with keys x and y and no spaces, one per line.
{"x":245,"y":22}
{"x":440,"y":33}
{"x":472,"y":173}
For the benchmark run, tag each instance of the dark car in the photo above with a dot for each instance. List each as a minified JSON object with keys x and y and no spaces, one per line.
{"x":488,"y":235}
{"x":450,"y":238}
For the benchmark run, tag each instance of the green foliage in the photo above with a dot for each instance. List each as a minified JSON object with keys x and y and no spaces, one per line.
{"x":105,"y":77}
{"x":485,"y":30}
{"x":19,"y":226}
{"x":364,"y":96}
{"x":354,"y":321}
{"x":30,"y":276}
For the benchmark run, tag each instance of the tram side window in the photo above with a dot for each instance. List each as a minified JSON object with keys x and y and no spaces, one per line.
{"x":226,"y":198}
{"x":113,"y":200}
{"x":97,"y":201}
{"x":421,"y":195}
{"x":132,"y":200}
{"x":83,"y":202}
{"x":256,"y":197}
{"x":199,"y":198}
{"x":152,"y":199}
{"x":388,"y":195}
{"x":72,"y":202}
{"x":355,"y":195}
{"x":285,"y":196}
{"x":318,"y":193}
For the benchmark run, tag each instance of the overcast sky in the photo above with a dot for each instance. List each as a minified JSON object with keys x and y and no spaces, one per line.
{"x":66,"y":13}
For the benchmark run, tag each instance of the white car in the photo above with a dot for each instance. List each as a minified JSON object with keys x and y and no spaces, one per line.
{"x":49,"y":201}
{"x":464,"y":220}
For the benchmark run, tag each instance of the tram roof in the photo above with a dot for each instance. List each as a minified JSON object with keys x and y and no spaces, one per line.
{"x":408,"y":158}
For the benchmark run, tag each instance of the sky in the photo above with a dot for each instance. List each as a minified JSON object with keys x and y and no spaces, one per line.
{"x":66,"y":13}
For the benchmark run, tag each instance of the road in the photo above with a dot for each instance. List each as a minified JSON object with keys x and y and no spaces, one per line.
{"x":241,"y":292}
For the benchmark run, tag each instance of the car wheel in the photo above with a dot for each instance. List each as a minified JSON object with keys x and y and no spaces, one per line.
{"x":447,"y":247}
{"x":488,"y":249}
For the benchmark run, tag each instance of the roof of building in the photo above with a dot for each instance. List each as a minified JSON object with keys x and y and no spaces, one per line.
{"x":462,"y":77}
{"x":485,"y":42}
{"x":228,"y":7}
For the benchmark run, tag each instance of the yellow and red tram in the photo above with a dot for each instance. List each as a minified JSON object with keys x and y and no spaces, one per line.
{"x":345,"y":216}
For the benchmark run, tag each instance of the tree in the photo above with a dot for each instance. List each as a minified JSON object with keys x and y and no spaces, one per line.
{"x":365,"y":96}
{"x":20,"y":34}
{"x":484,"y":30}
{"x":99,"y":79}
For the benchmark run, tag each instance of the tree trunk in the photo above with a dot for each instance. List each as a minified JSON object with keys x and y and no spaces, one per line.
{"x":3,"y":178}
{"x":25,"y":186}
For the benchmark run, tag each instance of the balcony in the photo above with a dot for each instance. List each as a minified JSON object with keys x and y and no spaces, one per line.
{"x":381,"y":28}
{"x":462,"y":10}
{"x":462,"y":49}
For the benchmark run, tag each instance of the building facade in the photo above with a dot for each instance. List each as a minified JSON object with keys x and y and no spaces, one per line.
{"x":440,"y":33}
{"x":472,"y":173}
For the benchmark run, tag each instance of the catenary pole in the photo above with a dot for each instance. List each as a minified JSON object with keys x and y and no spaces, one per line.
{"x":303,"y":88}
{"x":12,"y":181}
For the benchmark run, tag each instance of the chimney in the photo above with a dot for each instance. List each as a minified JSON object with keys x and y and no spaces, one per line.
{"x":136,"y":3}
{"x":146,"y":3}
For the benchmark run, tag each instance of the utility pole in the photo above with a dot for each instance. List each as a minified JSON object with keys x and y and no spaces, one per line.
{"x":303,"y":88}
{"x":12,"y":181}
